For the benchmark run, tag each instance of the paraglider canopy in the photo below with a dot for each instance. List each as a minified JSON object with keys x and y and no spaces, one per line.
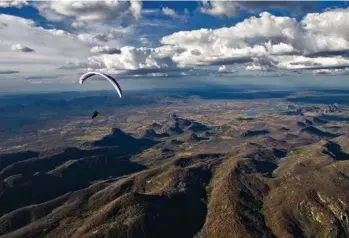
{"x":115,"y":84}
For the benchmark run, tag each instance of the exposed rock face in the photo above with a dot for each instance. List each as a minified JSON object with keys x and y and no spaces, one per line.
{"x":151,"y":134}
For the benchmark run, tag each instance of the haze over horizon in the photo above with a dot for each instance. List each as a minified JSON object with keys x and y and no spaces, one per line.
{"x":46,"y":45}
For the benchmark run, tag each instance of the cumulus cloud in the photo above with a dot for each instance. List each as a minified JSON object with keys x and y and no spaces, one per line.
{"x":21,"y":48}
{"x":332,"y":22}
{"x":265,"y":41}
{"x":87,"y":11}
{"x":265,"y":37}
{"x":169,"y":12}
{"x":13,"y":3}
{"x":133,"y":58}
{"x":104,"y":50}
{"x":327,"y":31}
{"x":254,"y":37}
{"x":264,"y":28}
{"x":261,"y":43}
{"x":231,"y":8}
{"x":219,"y":8}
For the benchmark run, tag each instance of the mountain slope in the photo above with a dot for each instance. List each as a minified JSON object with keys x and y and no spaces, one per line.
{"x":268,"y":183}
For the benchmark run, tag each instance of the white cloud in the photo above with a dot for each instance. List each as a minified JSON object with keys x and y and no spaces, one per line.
{"x":104,"y":34}
{"x":266,"y":36}
{"x":232,"y":8}
{"x":263,"y":29}
{"x":219,"y":8}
{"x":24,"y":32}
{"x":21,"y":48}
{"x":13,"y":3}
{"x":157,"y":74}
{"x":150,"y":11}
{"x":331,"y":71}
{"x":47,"y":12}
{"x":169,"y":12}
{"x":77,"y":64}
{"x":223,"y":69}
{"x":256,"y":67}
{"x":332,"y":22}
{"x":144,"y":40}
{"x":302,"y":62}
{"x":258,"y":43}
{"x":52,"y":47}
{"x":280,"y":49}
{"x":326,"y":31}
{"x":267,"y":41}
{"x":251,"y":38}
{"x":92,"y":10}
{"x":3,"y":25}
{"x":133,"y":58}
{"x":78,"y":24}
{"x":104,"y":50}
{"x":136,"y":9}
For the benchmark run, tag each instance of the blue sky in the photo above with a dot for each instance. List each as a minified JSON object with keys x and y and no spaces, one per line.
{"x":46,"y":45}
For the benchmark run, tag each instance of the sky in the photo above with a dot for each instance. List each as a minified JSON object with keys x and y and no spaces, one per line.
{"x":47,"y":45}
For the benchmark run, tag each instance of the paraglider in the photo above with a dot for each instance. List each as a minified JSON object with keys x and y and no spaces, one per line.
{"x":95,"y":113}
{"x":115,"y":84}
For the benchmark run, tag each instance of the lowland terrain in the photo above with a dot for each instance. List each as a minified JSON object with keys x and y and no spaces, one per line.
{"x":188,"y":164}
